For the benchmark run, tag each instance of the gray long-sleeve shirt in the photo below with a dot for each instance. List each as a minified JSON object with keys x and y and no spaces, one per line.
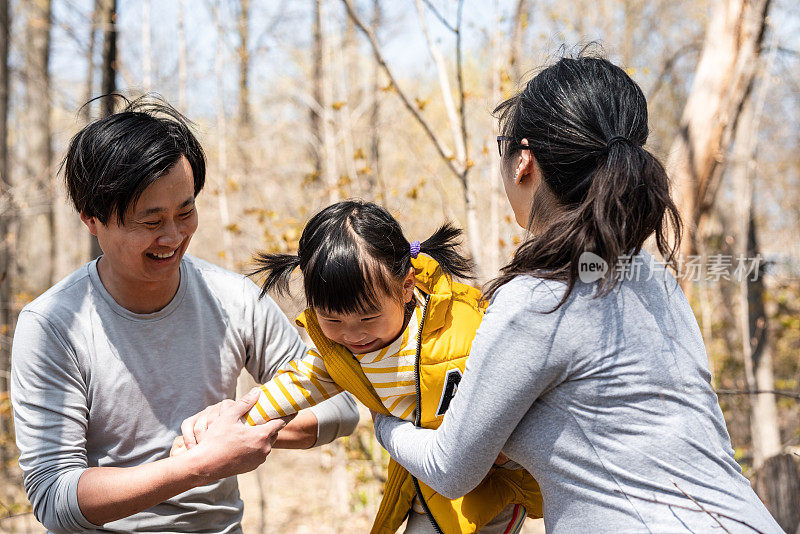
{"x":94,"y":384}
{"x":607,"y":402}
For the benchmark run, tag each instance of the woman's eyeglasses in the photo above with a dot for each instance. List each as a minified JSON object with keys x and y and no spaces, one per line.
{"x":512,"y":142}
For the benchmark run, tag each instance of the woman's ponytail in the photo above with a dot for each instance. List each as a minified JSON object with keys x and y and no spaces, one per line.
{"x":628,"y":201}
{"x":443,"y":246}
{"x":276,"y":270}
{"x":585,"y":121}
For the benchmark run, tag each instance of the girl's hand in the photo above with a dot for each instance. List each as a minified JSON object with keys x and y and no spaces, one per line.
{"x":178,"y":446}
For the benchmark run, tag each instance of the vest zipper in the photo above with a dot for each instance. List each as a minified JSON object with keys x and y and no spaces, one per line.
{"x":418,"y":416}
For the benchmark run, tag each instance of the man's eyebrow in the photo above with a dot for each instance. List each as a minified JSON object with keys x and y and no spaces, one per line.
{"x":150,"y":211}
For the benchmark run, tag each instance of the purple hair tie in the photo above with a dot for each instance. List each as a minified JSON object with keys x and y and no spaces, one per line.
{"x":415,"y":248}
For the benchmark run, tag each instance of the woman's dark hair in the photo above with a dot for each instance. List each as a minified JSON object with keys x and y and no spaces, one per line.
{"x":352,"y":253}
{"x":585,"y":121}
{"x":113,"y":160}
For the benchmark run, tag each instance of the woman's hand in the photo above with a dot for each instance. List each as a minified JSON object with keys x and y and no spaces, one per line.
{"x":501,"y":459}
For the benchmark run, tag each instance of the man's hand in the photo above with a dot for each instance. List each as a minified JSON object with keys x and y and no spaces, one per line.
{"x":226,"y":446}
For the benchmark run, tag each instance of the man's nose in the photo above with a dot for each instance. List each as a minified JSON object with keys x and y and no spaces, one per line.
{"x":171,"y":234}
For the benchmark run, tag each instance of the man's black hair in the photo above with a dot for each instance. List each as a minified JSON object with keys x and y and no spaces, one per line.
{"x":113,"y":160}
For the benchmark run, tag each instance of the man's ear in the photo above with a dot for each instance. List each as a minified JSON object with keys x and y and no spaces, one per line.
{"x":90,"y":222}
{"x":408,"y":285}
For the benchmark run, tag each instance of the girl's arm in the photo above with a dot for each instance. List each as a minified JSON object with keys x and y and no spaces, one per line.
{"x":511,"y":363}
{"x":298,"y":384}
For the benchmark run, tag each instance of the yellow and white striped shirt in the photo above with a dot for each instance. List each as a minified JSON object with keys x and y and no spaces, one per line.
{"x":305,"y":382}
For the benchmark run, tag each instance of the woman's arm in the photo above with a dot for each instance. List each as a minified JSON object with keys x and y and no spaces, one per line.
{"x":511,"y":363}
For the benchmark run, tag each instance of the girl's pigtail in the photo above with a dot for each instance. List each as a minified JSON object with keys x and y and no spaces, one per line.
{"x":276,"y":270}
{"x":442,"y":246}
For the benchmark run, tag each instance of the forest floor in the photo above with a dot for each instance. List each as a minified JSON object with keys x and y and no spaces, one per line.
{"x":328,"y":490}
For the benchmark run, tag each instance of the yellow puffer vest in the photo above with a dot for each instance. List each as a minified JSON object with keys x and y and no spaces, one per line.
{"x":451,"y":316}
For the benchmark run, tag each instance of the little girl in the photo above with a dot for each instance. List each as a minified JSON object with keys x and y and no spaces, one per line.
{"x":391,"y":326}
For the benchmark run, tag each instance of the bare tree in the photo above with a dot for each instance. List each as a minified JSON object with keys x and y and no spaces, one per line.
{"x":8,"y":229}
{"x":460,"y":163}
{"x":244,"y":64}
{"x":182,"y":62}
{"x":755,"y":330}
{"x":324,"y":149}
{"x":86,"y":110}
{"x":147,"y":59}
{"x":375,"y":186}
{"x":107,"y":15}
{"x":222,"y":141}
{"x":723,"y":80}
{"x":519,"y":22}
{"x":40,"y":228}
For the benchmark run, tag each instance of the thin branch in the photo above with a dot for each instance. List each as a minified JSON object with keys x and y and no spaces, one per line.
{"x":448,"y":159}
{"x":780,"y":392}
{"x":440,"y":17}
{"x":461,"y":96}
{"x":672,"y":505}
{"x":669,"y":65}
{"x":701,"y":507}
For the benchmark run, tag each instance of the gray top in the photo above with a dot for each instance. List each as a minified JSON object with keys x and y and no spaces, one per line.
{"x":93,"y":384}
{"x":607,"y":403}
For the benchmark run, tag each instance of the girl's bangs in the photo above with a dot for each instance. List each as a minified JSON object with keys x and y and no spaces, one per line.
{"x":340,"y":280}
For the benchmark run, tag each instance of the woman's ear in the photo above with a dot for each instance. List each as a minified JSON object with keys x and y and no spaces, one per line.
{"x":525,"y":165}
{"x":408,"y":285}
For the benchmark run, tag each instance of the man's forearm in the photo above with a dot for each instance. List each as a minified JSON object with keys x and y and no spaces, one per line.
{"x":109,"y":493}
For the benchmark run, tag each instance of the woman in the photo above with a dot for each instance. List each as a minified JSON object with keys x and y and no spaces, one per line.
{"x":597,"y":386}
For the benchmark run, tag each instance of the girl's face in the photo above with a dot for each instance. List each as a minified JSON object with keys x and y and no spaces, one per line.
{"x":367,"y":332}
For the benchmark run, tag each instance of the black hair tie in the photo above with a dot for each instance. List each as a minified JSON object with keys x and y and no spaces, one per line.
{"x":617,"y":139}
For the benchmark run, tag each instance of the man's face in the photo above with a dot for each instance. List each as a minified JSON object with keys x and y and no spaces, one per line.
{"x":149,"y":246}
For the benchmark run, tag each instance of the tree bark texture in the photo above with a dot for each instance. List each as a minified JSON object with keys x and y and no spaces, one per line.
{"x":723,"y":79}
{"x":108,"y":19}
{"x":8,"y":217}
{"x":37,"y":234}
{"x":778,"y":485}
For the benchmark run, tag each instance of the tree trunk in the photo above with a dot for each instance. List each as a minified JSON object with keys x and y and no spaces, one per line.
{"x":521,"y":19}
{"x":222,"y":146}
{"x":374,"y":183}
{"x":315,"y":114}
{"x":108,"y":19}
{"x":147,"y":62}
{"x":244,"y":64}
{"x":86,"y":110}
{"x":182,"y":62}
{"x":37,"y":234}
{"x":778,"y":485}
{"x":8,"y":226}
{"x":756,"y":346}
{"x":723,"y":79}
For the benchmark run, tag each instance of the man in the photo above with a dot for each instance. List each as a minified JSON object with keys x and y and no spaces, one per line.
{"x":108,"y":362}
